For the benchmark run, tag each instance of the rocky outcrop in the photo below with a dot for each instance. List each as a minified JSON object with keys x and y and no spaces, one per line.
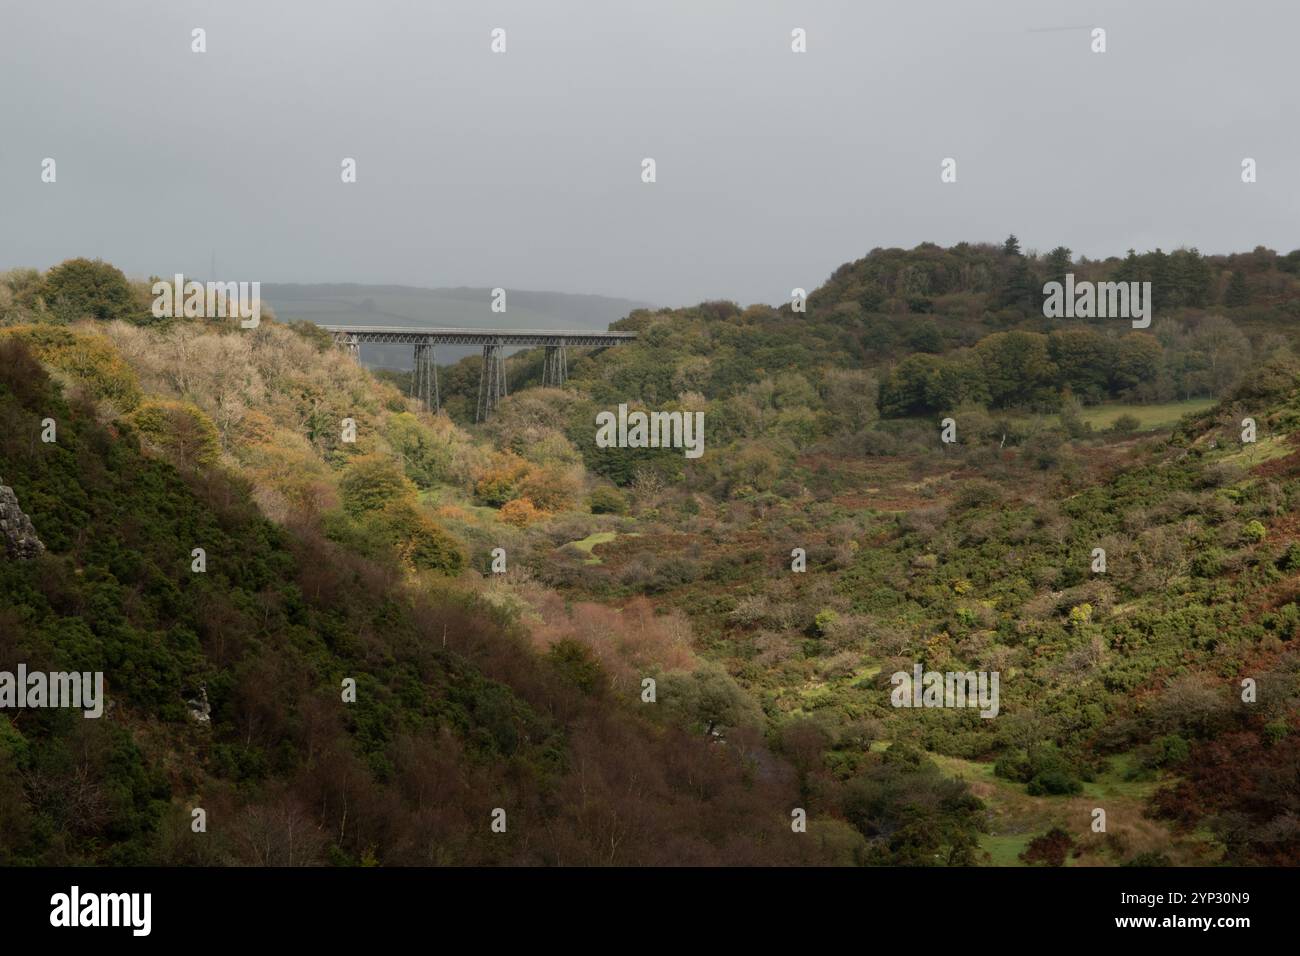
{"x":200,"y":709}
{"x":16,"y":530}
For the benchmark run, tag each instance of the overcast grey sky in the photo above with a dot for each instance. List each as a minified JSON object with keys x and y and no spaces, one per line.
{"x":523,"y":170}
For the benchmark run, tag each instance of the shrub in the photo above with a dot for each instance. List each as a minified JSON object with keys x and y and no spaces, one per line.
{"x":1072,"y":419}
{"x":1050,"y":849}
{"x":1044,"y":768}
{"x":1290,"y":560}
{"x":1170,"y":749}
{"x":20,"y":290}
{"x":519,"y":512}
{"x":550,"y":488}
{"x":500,"y":482}
{"x":1208,"y":563}
{"x":608,"y":500}
{"x":1013,"y":766}
{"x":414,"y":441}
{"x":825,"y":620}
{"x":1275,"y":731}
{"x":976,"y":492}
{"x":179,"y":430}
{"x":1055,"y":782}
{"x":1126,"y":424}
{"x":419,"y":540}
{"x":371,"y":482}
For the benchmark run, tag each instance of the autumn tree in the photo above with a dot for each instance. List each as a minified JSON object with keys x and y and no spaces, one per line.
{"x":520,"y":512}
{"x":88,"y":357}
{"x":418,"y":540}
{"x":551,"y":487}
{"x":500,"y":481}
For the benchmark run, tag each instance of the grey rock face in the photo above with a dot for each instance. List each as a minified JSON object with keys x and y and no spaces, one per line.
{"x":200,"y":709}
{"x":16,"y":530}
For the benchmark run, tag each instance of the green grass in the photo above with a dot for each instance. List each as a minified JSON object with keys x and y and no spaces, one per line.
{"x":1115,"y":781}
{"x":1265,"y":449}
{"x":1005,"y":849}
{"x":863,"y":674}
{"x":1150,"y":417}
{"x":970,"y":770}
{"x":600,"y":537}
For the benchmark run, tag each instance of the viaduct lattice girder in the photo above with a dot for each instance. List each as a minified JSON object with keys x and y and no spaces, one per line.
{"x":492,"y":380}
{"x":395,"y":335}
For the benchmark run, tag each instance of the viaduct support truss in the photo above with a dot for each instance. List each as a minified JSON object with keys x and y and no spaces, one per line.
{"x":492,"y":386}
{"x":555,"y":369}
{"x":424,"y":378}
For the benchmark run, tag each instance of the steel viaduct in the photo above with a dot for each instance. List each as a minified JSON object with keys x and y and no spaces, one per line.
{"x":492,"y":380}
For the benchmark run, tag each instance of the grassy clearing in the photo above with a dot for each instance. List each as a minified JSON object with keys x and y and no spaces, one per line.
{"x":863,"y":674}
{"x":1015,"y":817}
{"x":1004,"y":849}
{"x":1121,"y":779}
{"x":1265,"y":449}
{"x":590,"y":541}
{"x":1150,"y":417}
{"x":587,"y":544}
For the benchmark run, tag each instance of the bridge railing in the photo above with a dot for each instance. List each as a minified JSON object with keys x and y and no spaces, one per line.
{"x":397,"y":335}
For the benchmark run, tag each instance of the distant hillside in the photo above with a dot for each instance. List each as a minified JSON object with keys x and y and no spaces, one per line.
{"x":339,"y":303}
